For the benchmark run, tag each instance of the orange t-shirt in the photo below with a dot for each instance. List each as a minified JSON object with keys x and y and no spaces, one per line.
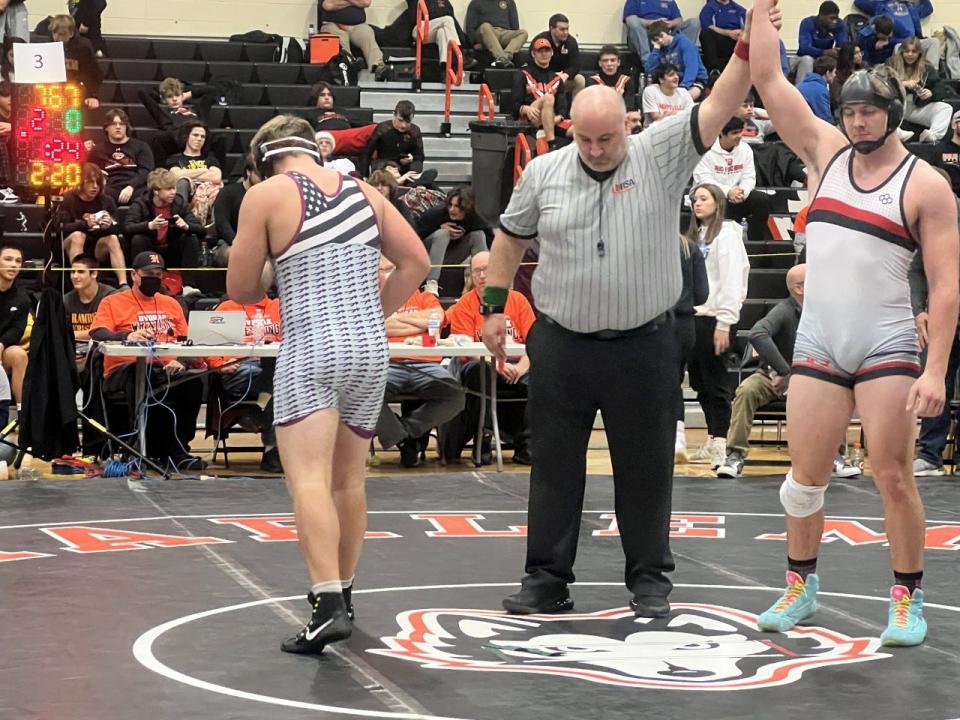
{"x":465,"y":317}
{"x":125,"y":312}
{"x":418,"y":302}
{"x":800,"y":221}
{"x":271,"y":323}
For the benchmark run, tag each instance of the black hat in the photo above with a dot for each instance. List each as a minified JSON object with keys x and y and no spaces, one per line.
{"x":148,"y":261}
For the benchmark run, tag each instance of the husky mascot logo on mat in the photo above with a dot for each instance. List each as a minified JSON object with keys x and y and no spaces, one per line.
{"x":700,"y":647}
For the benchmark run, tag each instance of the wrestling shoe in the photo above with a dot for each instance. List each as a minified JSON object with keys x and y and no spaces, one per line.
{"x":539,"y":600}
{"x":329,"y":623}
{"x":905,"y":623}
{"x":798,"y":602}
{"x":348,"y":601}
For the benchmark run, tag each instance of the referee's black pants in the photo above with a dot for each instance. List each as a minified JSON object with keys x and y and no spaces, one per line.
{"x":633,"y":382}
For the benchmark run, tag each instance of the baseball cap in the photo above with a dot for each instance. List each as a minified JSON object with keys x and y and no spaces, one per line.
{"x":148,"y":261}
{"x":541,"y":43}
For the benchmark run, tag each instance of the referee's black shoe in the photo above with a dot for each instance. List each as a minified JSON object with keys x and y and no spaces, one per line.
{"x":329,"y":623}
{"x":539,"y":601}
{"x":650,"y":606}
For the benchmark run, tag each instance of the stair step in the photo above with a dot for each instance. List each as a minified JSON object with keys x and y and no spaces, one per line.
{"x":452,"y":147}
{"x":387,"y":100}
{"x":430,"y":124}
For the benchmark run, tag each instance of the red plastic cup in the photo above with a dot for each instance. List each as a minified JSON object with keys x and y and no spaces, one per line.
{"x":429,"y":340}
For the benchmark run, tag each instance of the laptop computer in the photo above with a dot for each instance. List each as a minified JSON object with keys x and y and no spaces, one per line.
{"x":213,"y":327}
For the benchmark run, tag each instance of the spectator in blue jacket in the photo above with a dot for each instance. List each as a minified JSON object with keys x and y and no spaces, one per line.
{"x":680,"y":51}
{"x":819,"y":33}
{"x":721,"y":22}
{"x":906,"y":17}
{"x":876,"y":41}
{"x":638,"y":15}
{"x":815,"y":87}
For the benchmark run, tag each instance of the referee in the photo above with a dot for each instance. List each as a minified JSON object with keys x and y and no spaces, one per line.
{"x":606,"y":212}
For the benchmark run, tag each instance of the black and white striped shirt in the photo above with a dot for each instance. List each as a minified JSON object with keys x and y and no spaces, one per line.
{"x":634,"y":214}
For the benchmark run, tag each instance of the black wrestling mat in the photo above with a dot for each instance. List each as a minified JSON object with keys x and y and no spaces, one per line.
{"x":169,"y":600}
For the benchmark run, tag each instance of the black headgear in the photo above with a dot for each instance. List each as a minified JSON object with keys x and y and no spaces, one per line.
{"x":881,"y":89}
{"x":266,"y":152}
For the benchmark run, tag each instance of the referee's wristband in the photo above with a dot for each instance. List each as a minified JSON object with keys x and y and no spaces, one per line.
{"x":495,"y":295}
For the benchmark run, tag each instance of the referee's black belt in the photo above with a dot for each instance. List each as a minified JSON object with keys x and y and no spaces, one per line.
{"x":648,"y":328}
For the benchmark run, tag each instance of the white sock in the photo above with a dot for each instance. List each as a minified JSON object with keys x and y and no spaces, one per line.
{"x":348,"y":583}
{"x":330,"y":586}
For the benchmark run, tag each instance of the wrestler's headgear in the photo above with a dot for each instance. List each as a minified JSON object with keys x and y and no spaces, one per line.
{"x":268,"y":152}
{"x":882,"y":89}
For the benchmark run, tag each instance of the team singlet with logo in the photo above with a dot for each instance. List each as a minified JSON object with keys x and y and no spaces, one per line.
{"x":857,"y":322}
{"x":334,"y":352}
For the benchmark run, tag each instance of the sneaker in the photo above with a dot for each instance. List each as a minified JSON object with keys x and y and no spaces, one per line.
{"x":432,"y":287}
{"x":381,"y":73}
{"x":680,"y":446}
{"x":270,"y":462}
{"x":719,"y":453}
{"x":328,"y":623}
{"x":798,"y":602}
{"x":187,"y":462}
{"x":650,"y":606}
{"x":704,"y":454}
{"x":521,"y":456}
{"x":539,"y":600}
{"x":7,"y":195}
{"x":925,"y":468}
{"x":409,"y":452}
{"x":905,"y":623}
{"x":844,"y":469}
{"x":732,"y":466}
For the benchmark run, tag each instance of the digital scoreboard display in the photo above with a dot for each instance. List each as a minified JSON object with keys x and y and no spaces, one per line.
{"x":48,"y":135}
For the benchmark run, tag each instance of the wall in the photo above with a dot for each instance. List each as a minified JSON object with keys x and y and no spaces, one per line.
{"x":592,"y":21}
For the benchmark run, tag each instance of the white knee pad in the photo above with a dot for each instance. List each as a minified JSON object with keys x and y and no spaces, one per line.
{"x":800,"y":500}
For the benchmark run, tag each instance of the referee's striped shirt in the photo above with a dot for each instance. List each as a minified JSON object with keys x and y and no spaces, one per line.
{"x":636,"y":214}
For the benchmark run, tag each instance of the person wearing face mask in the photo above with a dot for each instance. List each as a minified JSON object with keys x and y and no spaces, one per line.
{"x":143,"y":314}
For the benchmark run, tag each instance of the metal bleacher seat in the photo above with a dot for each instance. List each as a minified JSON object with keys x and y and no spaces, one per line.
{"x":128,"y":47}
{"x":187,"y":70}
{"x":242,"y":72}
{"x":767,"y":283}
{"x":170,"y":49}
{"x":230,"y":139}
{"x":248,"y":117}
{"x":221,"y":51}
{"x":259,"y":52}
{"x":272,"y":73}
{"x":129,"y":91}
{"x":252,"y":94}
{"x":136,"y":70}
{"x":294,"y":95}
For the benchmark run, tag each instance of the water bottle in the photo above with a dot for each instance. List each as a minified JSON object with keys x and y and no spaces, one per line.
{"x":433,"y":329}
{"x":856,"y":458}
{"x":311,"y":31}
{"x":744,"y":229}
{"x":258,"y":326}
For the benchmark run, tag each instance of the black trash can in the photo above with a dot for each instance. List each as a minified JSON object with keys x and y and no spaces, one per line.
{"x":493,"y":143}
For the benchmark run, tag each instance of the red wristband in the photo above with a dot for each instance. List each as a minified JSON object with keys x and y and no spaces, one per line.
{"x":742,"y":50}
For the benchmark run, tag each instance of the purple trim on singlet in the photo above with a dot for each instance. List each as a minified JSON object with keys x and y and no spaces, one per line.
{"x":303,"y":212}
{"x":359,"y":431}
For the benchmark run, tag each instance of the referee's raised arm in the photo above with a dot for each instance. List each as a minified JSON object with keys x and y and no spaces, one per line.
{"x":733,"y":84}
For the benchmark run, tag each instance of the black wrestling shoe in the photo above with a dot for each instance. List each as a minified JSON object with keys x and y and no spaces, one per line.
{"x":348,"y":601}
{"x":329,"y":623}
{"x":539,"y":601}
{"x":650,"y":606}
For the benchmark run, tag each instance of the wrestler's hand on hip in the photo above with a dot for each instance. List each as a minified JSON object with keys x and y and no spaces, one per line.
{"x":495,"y":335}
{"x":927,"y":396}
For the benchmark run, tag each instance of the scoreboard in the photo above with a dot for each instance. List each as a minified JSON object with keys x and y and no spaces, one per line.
{"x":48,"y":135}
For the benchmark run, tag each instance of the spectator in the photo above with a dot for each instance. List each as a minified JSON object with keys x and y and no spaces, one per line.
{"x":82,"y":302}
{"x":679,"y":51}
{"x":88,"y":223}
{"x":443,"y":30}
{"x":386,"y":184}
{"x":512,"y":378}
{"x":819,"y":33}
{"x":696,"y":291}
{"x":495,"y":25}
{"x":639,"y":15}
{"x":565,"y":60}
{"x":925,"y":91}
{"x":729,"y":165}
{"x":88,"y":14}
{"x":906,"y":17}
{"x":876,"y":40}
{"x":13,"y":19}
{"x":440,"y":397}
{"x":347,"y":19}
{"x":80,"y":58}
{"x":330,"y":117}
{"x":721,"y":22}
{"x":197,"y":171}
{"x":397,"y":139}
{"x":540,"y":93}
{"x":141,"y":314}
{"x":327,"y":144}
{"x":247,"y":378}
{"x":756,"y":122}
{"x":15,"y":310}
{"x":7,"y":70}
{"x":161,"y":222}
{"x":226,"y":212}
{"x":849,"y":60}
{"x":815,"y":87}
{"x":720,"y":241}
{"x":7,"y":178}
{"x":126,"y":160}
{"x":608,"y":63}
{"x":172,"y":107}
{"x":664,"y":97}
{"x":946,"y":155}
{"x":456,"y":223}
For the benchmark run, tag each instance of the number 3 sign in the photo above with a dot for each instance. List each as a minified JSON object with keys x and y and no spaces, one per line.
{"x":39,"y":63}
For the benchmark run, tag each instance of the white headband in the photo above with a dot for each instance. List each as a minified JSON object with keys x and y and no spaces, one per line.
{"x":287,"y":149}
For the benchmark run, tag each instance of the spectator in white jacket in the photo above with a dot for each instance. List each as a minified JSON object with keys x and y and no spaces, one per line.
{"x":729,"y":165}
{"x":721,"y":242}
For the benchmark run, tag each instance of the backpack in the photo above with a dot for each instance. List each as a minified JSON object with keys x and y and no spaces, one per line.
{"x":420,"y":199}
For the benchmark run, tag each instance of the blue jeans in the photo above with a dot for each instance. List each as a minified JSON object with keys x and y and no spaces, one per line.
{"x":639,"y":42}
{"x":933,"y":430}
